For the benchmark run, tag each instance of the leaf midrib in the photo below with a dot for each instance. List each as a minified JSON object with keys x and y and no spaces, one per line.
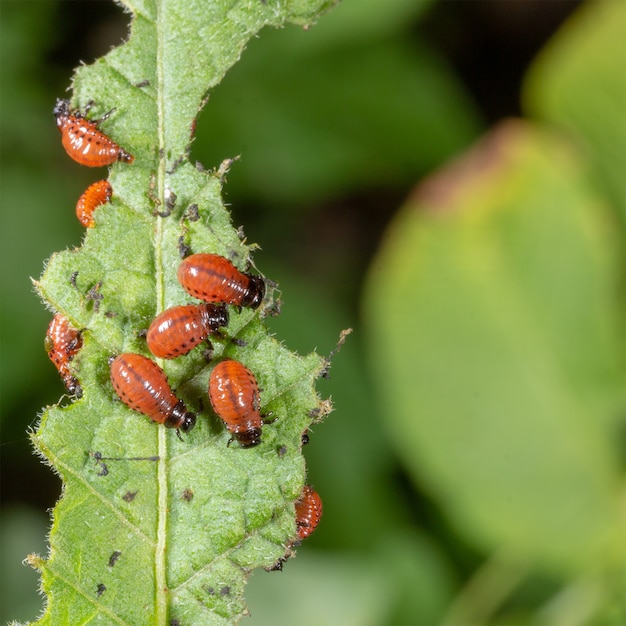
{"x":160,"y":571}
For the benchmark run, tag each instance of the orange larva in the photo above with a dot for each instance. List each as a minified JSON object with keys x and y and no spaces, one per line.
{"x":178,"y":330}
{"x":95,"y":195}
{"x":62,"y":343}
{"x":84,"y":141}
{"x":234,"y":396}
{"x":308,"y":511}
{"x":214,"y":278}
{"x":142,"y":385}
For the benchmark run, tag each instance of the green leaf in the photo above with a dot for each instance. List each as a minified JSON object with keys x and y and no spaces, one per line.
{"x":578,"y":83}
{"x":150,"y":528}
{"x":491,"y":312}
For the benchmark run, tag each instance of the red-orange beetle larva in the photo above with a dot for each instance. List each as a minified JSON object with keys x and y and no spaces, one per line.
{"x":234,"y":395}
{"x":180,"y":329}
{"x":95,"y":195}
{"x":308,"y":511}
{"x":62,"y":343}
{"x":214,"y":278}
{"x":142,"y":385}
{"x":84,"y":141}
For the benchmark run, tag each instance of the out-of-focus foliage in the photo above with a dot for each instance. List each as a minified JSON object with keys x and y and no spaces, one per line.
{"x":388,"y":108}
{"x":500,"y":363}
{"x":577,"y":84}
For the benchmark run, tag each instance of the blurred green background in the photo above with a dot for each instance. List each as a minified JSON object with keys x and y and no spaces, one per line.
{"x":473,"y":471}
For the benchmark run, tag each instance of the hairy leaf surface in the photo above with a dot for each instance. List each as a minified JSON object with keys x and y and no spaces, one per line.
{"x":150,"y":529}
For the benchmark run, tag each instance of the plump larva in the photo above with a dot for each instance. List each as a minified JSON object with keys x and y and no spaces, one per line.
{"x":234,"y":395}
{"x":178,"y":330}
{"x":213,"y":278}
{"x":142,"y":385}
{"x":95,"y":195}
{"x":84,"y":141}
{"x":62,"y":343}
{"x":308,"y":511}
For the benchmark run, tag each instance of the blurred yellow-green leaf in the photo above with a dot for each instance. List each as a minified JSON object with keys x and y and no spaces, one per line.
{"x":495,"y":345}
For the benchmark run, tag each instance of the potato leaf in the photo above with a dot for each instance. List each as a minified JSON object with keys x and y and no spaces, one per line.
{"x":151,"y":529}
